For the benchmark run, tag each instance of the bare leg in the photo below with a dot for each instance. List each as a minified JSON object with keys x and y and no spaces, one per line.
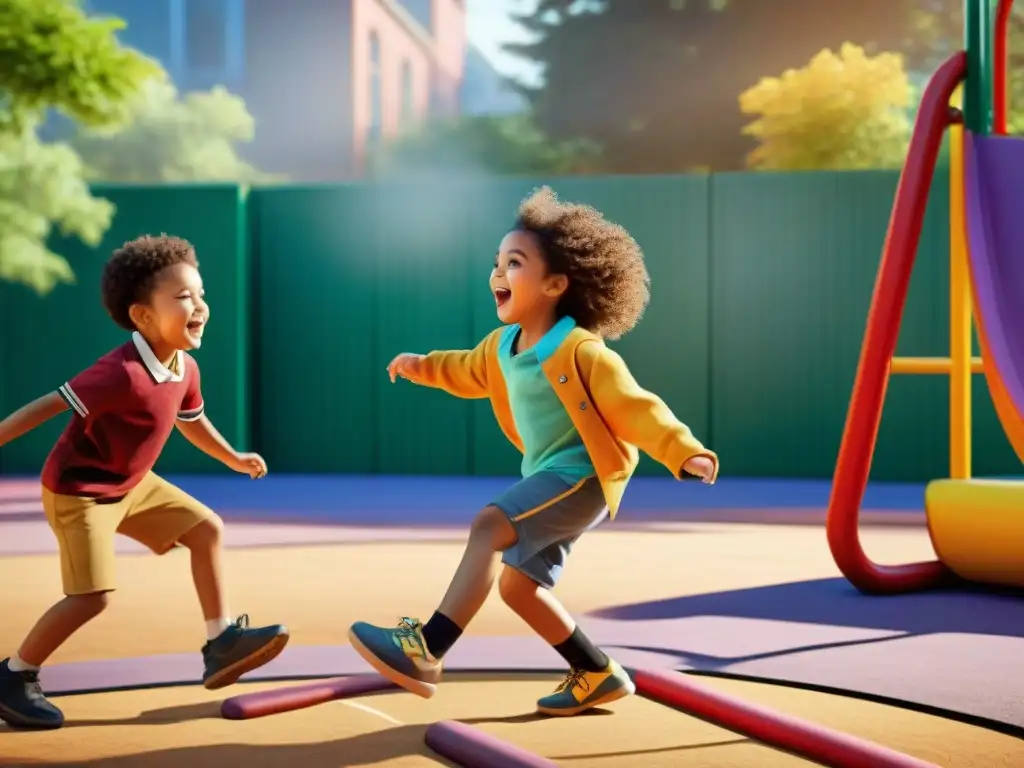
{"x":231,"y":650}
{"x":204,"y":545}
{"x":536,"y":606}
{"x":58,"y":624}
{"x":490,"y":534}
{"x":21,"y":702}
{"x":593,"y":678}
{"x":410,"y":656}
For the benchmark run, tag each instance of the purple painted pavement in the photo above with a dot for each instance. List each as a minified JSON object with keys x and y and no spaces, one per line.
{"x":957,"y":650}
{"x":977,"y":674}
{"x":34,"y":537}
{"x":385,"y":502}
{"x":295,"y":511}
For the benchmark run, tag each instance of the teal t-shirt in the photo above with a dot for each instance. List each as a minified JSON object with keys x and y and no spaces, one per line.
{"x":550,"y":441}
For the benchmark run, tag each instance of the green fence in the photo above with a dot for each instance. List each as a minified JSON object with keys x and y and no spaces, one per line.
{"x":48,"y":340}
{"x":760,"y":285}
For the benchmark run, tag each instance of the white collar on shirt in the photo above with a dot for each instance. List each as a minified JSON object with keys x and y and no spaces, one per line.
{"x":160,"y":372}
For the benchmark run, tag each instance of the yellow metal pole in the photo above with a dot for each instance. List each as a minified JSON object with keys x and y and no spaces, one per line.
{"x":920,"y":366}
{"x":960,"y":362}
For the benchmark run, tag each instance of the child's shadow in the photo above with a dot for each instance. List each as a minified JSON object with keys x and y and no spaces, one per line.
{"x":163,"y":716}
{"x":530,"y":717}
{"x":210,"y":710}
{"x":359,"y":750}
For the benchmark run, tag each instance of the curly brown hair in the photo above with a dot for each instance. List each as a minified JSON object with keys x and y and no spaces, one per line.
{"x":608,"y":282}
{"x":130,"y":274}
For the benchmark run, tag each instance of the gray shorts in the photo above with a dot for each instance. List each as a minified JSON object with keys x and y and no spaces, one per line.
{"x":549,"y":514}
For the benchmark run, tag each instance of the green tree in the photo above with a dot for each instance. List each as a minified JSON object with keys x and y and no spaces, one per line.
{"x":173,"y":139}
{"x":844,"y":111}
{"x":656,"y":83}
{"x":503,"y":145}
{"x":53,"y":56}
{"x":42,"y":185}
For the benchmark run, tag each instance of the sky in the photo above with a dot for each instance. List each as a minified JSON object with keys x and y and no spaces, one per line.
{"x":489,"y":27}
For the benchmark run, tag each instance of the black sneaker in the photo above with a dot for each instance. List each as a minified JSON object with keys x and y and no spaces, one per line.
{"x":240,"y":649}
{"x":22,"y":703}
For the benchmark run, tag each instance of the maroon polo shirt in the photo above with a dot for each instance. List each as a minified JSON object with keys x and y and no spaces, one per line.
{"x":124,"y":408}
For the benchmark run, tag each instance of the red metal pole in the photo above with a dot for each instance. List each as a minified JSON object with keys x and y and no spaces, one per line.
{"x":777,"y":729}
{"x":1000,"y":65}
{"x":860,"y":434}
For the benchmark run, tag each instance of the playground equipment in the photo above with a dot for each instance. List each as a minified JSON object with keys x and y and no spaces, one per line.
{"x":976,"y":526}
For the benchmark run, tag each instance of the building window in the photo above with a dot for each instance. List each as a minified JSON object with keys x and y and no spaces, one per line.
{"x":206,"y":25}
{"x":408,"y":102}
{"x":420,"y":10}
{"x":373,"y":132}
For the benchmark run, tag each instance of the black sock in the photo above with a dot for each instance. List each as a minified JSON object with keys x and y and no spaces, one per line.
{"x":581,"y":653}
{"x":441,"y":633}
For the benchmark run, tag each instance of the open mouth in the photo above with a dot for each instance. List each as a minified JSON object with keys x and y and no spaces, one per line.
{"x":195,"y":326}
{"x":501,"y":296}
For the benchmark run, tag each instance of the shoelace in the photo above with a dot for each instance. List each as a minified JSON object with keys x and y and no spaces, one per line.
{"x":242,"y":622}
{"x":32,"y":687}
{"x":409,"y":629}
{"x":577,"y":678}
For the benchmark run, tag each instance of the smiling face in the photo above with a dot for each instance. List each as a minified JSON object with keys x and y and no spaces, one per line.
{"x":523,"y":287}
{"x":176,"y":314}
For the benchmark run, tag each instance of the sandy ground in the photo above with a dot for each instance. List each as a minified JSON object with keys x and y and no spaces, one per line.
{"x":319,"y":590}
{"x":173,"y":727}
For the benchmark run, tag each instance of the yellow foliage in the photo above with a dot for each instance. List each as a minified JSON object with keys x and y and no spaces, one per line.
{"x":840,"y":112}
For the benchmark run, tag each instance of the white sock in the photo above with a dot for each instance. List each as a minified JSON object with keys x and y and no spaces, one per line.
{"x":215,"y":627}
{"x":18,"y":664}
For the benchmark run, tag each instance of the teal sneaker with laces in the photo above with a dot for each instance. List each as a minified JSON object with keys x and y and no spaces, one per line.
{"x":400,"y":654}
{"x":582,"y":690}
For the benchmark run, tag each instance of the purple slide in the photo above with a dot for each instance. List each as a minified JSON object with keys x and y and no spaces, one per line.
{"x":994,"y":200}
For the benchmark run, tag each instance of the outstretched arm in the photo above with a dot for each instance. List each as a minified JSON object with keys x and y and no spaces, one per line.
{"x":641,"y":418}
{"x":199,"y":430}
{"x":462,"y":372}
{"x":30,"y":416}
{"x":204,"y":436}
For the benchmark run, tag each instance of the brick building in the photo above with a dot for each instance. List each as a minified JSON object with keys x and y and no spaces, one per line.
{"x":324,"y":79}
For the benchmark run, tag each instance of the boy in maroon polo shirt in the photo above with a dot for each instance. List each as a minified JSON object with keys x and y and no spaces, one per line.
{"x":98,"y":479}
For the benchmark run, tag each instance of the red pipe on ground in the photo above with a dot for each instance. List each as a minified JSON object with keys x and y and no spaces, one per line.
{"x":799,"y":737}
{"x":1000,"y":67}
{"x":853,"y":465}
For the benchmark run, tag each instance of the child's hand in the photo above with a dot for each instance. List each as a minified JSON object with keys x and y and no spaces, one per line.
{"x":702,"y":467}
{"x":404,"y":365}
{"x":251,"y":464}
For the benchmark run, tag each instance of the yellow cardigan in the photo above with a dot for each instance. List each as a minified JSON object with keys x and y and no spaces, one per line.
{"x":612,"y":413}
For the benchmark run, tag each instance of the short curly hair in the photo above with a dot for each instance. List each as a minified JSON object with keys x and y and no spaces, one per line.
{"x":609,"y":287}
{"x":130,"y":274}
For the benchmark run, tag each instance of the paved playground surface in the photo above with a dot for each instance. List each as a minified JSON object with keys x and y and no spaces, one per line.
{"x":933,"y":675}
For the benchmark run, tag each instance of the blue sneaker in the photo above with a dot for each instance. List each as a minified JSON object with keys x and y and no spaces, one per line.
{"x":240,"y":649}
{"x":399,"y":654}
{"x":582,"y":690}
{"x":22,"y":703}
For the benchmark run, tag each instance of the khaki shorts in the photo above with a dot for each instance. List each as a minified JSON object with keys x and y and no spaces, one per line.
{"x":154,"y":513}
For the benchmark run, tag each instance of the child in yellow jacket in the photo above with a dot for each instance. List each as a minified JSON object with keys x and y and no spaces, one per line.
{"x":564,"y":279}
